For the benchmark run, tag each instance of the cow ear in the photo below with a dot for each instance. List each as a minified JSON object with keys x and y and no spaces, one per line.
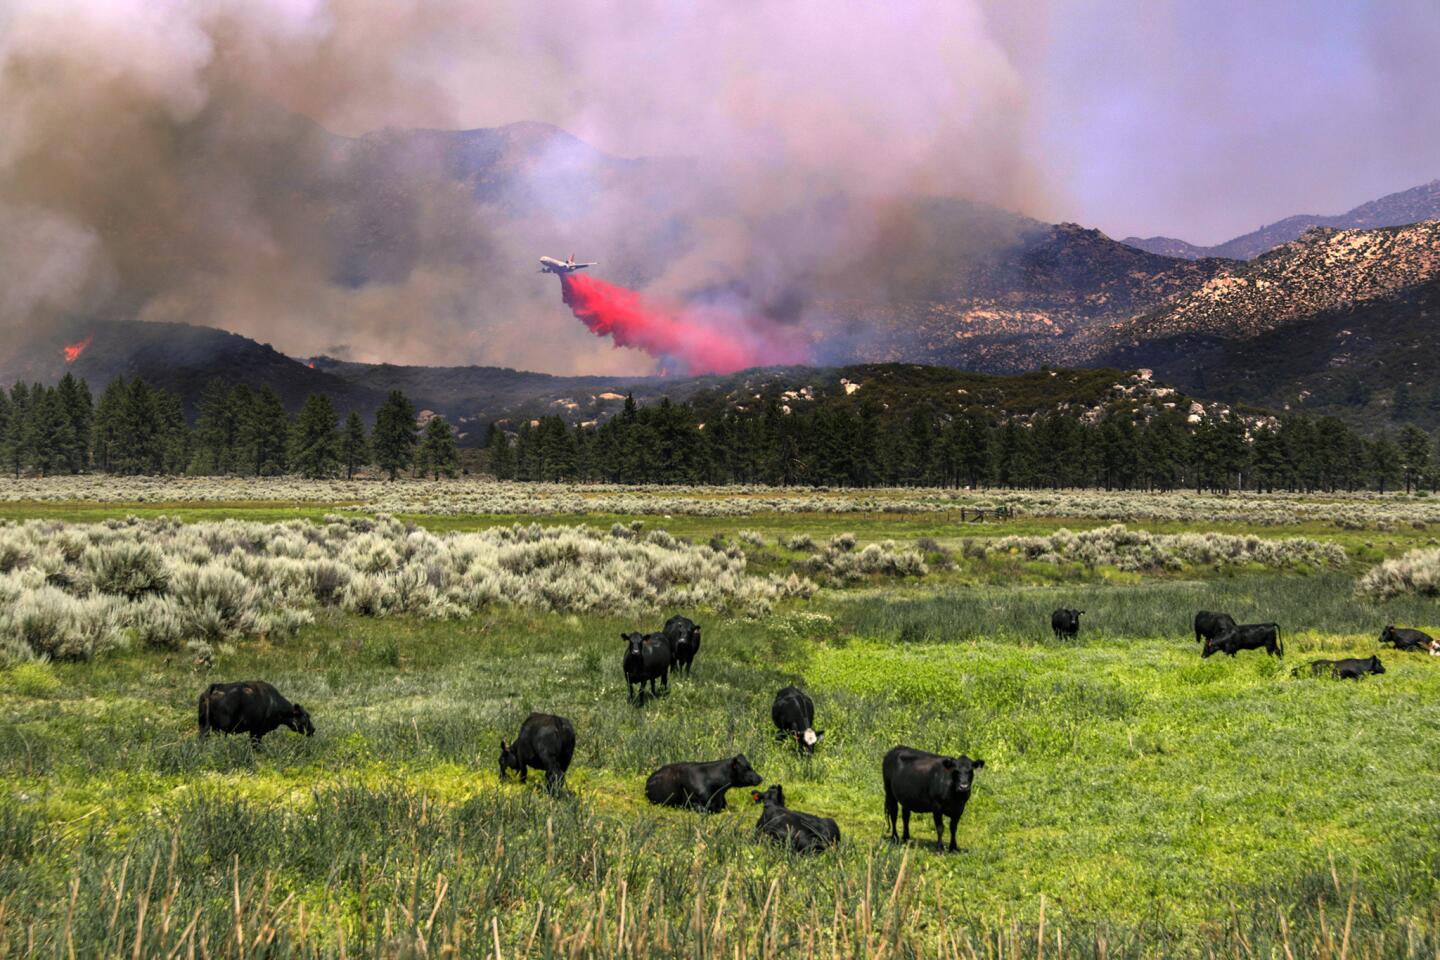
{"x":503,"y":746}
{"x":948,"y":764}
{"x":819,"y":735}
{"x":977,"y":764}
{"x":296,"y":709}
{"x":624,"y":638}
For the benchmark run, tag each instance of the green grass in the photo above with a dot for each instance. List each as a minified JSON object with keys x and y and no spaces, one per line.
{"x":1137,"y":800}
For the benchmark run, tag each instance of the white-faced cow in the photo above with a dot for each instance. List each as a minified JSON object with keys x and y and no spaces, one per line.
{"x":250,"y":706}
{"x":547,"y":743}
{"x":794,"y":714}
{"x":920,"y":782}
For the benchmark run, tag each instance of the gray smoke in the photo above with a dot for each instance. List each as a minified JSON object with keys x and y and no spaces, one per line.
{"x":253,"y":165}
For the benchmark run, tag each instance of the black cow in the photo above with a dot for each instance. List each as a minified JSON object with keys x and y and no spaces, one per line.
{"x":545,"y":743}
{"x":802,"y":832}
{"x":794,"y":716}
{"x":1209,"y":625}
{"x":647,"y":658}
{"x":1413,"y":641}
{"x":1066,"y":623}
{"x":1352,"y":668}
{"x":700,"y":786}
{"x":250,"y":706}
{"x":920,"y":782}
{"x":1247,"y":636}
{"x":684,"y":637}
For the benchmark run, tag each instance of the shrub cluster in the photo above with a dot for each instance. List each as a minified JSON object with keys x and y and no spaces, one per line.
{"x":72,"y":591}
{"x":1417,"y":572}
{"x":1138,"y":550}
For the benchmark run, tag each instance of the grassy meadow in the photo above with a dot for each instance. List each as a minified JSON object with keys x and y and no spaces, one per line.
{"x":1136,"y":799}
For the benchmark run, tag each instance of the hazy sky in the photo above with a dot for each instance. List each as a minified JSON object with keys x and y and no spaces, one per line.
{"x":1204,"y":120}
{"x":137,"y":179}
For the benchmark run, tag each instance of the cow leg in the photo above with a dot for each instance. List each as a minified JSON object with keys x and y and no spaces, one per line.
{"x":255,"y":740}
{"x":939,"y":831}
{"x":905,"y":815}
{"x":524,"y":772}
{"x":554,"y":781}
{"x":953,"y":822}
{"x":631,"y":695}
{"x":892,"y":811}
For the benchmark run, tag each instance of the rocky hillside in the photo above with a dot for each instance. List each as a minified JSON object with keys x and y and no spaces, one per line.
{"x":1324,"y":271}
{"x":1396,"y":209}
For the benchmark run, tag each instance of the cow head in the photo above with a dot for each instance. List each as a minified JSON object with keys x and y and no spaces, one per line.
{"x":958,"y":774}
{"x":1214,"y":645}
{"x":775,"y":795}
{"x":807,"y":739}
{"x":299,"y":720}
{"x":509,"y":759}
{"x":741,"y":773}
{"x":1376,"y":666}
{"x":1388,"y":634}
{"x":632,"y":643}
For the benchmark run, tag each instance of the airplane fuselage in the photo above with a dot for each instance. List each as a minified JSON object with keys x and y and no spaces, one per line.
{"x":551,"y":265}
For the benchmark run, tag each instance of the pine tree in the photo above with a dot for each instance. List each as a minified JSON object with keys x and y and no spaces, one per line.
{"x":139,"y":448}
{"x":393,"y":439}
{"x":1383,"y":460}
{"x":1414,"y":455}
{"x":315,"y":443}
{"x":354,"y":445}
{"x":108,"y":417}
{"x":438,"y":452}
{"x":216,"y":430}
{"x":266,"y":435}
{"x":500,"y":455}
{"x":1402,"y":405}
{"x":6,"y":414}
{"x":79,"y":410}
{"x":16,"y":452}
{"x":173,"y":435}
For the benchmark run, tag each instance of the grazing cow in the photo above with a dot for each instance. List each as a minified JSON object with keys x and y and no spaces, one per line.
{"x":801,"y":832}
{"x":700,"y":786}
{"x":250,"y":706}
{"x":1247,"y":636}
{"x":1350,"y":669}
{"x":647,"y":658}
{"x":794,"y":716}
{"x":545,"y":743}
{"x":1209,"y":625}
{"x":1412,"y":641}
{"x":1066,"y":623}
{"x":920,"y":782}
{"x":684,"y":637}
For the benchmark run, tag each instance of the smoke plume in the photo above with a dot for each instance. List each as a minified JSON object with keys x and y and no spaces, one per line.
{"x":272,"y":167}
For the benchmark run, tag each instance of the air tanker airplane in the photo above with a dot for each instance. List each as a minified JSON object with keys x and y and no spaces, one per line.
{"x":551,"y":265}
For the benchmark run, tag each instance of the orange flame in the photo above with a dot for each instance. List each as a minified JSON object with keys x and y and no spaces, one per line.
{"x":72,"y":351}
{"x":311,"y":364}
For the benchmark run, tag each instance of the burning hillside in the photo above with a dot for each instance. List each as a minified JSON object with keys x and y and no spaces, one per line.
{"x":72,"y":351}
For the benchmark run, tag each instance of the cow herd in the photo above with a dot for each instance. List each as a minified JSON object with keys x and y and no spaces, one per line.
{"x":915,"y":781}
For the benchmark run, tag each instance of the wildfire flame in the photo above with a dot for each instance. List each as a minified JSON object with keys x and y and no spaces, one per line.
{"x":311,"y":364}
{"x":72,"y":351}
{"x":693,"y":339}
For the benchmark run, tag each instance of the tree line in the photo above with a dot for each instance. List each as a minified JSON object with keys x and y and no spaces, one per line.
{"x":138,"y":429}
{"x":868,"y":445}
{"x":135,"y":428}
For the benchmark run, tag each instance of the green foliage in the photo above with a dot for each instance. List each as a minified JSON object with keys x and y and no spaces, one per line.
{"x":393,"y":440}
{"x":438,"y":454}
{"x":354,"y":445}
{"x":315,"y":441}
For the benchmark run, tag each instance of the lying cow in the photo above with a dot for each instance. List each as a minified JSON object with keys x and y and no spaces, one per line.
{"x":647,"y":658}
{"x":1352,"y":668}
{"x":920,"y":782}
{"x":1209,"y":625}
{"x":250,"y":706}
{"x":1412,"y":641}
{"x":802,"y":832}
{"x":684,"y":637}
{"x":700,"y":786}
{"x":1247,"y":636}
{"x":794,"y":715}
{"x":1066,"y":623}
{"x":545,"y":743}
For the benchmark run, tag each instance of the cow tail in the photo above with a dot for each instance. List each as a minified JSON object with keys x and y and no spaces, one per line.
{"x":1280,"y":645}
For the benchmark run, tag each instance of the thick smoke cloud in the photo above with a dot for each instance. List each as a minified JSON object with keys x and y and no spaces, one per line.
{"x":203,"y":161}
